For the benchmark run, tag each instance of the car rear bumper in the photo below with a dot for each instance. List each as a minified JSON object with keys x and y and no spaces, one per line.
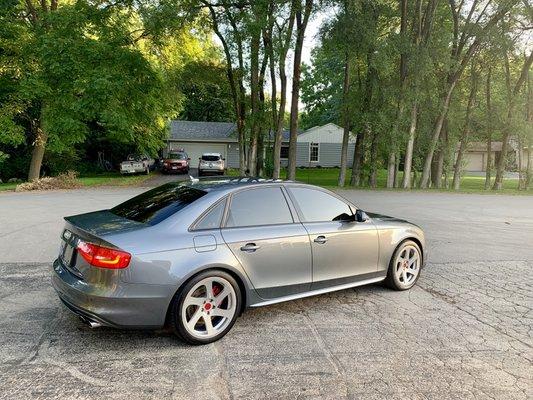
{"x":124,"y":305}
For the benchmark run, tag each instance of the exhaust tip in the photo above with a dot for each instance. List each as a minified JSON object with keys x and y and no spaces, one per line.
{"x":92,"y":324}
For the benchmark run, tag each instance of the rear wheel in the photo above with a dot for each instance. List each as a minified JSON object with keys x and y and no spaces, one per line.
{"x":404,"y":266}
{"x":206,"y":308}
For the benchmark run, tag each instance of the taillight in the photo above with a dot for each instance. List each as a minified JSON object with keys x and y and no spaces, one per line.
{"x":103,"y":257}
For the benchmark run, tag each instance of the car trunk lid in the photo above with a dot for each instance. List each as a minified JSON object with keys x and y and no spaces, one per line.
{"x":94,"y":227}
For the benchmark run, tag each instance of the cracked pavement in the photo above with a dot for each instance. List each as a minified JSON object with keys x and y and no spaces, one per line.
{"x":464,"y":331}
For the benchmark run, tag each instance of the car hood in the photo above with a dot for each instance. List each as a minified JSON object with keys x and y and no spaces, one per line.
{"x":384,"y":218}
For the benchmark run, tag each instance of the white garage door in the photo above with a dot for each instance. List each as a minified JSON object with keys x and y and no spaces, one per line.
{"x":474,"y":162}
{"x":195,"y":150}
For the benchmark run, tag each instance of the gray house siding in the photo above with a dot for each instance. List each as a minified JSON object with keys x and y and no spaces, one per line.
{"x":232,"y":157}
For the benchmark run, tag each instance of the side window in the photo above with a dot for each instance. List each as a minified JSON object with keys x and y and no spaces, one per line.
{"x":261,"y":206}
{"x":318,"y":206}
{"x":212,"y":219}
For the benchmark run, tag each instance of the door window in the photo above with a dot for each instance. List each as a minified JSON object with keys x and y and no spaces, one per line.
{"x":261,"y":206}
{"x":319,"y":206}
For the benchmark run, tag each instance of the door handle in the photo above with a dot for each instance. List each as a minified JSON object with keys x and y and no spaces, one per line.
{"x":321,"y":239}
{"x":250,"y":247}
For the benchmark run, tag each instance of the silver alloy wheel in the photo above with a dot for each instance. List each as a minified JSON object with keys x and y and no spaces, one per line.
{"x":209,"y":307}
{"x":407,"y":265}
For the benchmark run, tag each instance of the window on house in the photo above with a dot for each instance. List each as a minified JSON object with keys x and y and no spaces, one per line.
{"x":313,"y":152}
{"x":284,"y":153}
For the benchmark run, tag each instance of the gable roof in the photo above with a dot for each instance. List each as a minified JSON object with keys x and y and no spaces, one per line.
{"x":203,"y":131}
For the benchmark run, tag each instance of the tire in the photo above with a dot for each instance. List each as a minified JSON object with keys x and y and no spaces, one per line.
{"x":199,"y":173}
{"x":396,"y":278}
{"x":191,"y":319}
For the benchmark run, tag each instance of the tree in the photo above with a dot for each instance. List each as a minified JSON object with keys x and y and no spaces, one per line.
{"x":78,"y":67}
{"x":513,"y":92}
{"x":206,"y":92}
{"x":463,"y":142}
{"x":303,"y":12}
{"x":465,"y":43}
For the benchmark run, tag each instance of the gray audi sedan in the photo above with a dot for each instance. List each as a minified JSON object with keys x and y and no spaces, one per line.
{"x":194,"y":255}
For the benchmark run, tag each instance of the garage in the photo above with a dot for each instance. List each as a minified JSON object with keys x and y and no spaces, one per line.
{"x":474,"y":162}
{"x":195,"y":149}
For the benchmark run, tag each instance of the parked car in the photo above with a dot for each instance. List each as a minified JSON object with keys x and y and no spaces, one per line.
{"x":136,"y":164}
{"x":211,"y":163}
{"x":176,"y":162}
{"x":196,"y":254}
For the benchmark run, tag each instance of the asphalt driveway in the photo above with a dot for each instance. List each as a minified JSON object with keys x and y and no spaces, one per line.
{"x":465,"y":331}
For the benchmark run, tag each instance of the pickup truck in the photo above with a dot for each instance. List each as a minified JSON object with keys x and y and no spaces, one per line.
{"x":136,"y":165}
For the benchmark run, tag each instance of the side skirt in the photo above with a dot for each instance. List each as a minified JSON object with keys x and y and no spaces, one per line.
{"x":319,"y":291}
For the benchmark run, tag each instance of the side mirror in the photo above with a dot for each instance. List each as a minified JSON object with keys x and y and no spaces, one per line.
{"x":188,"y":158}
{"x":223,"y":159}
{"x":360,"y":215}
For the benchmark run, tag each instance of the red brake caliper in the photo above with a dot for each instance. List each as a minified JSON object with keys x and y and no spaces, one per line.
{"x":216,"y":290}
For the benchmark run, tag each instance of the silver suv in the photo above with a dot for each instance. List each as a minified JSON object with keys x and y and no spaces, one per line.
{"x":211,"y":163}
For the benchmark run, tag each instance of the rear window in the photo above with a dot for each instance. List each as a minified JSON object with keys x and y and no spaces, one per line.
{"x":210,"y":158}
{"x":158,"y":204}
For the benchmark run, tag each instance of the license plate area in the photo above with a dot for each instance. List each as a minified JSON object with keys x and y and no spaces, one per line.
{"x":67,"y":252}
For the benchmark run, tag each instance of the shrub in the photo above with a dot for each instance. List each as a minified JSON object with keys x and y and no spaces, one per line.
{"x":67,"y":180}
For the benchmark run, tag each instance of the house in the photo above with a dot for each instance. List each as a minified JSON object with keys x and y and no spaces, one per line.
{"x":318,"y":146}
{"x":475,"y":157}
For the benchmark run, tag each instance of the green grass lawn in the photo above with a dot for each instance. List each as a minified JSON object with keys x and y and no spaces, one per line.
{"x":328,"y":177}
{"x":114,"y":179}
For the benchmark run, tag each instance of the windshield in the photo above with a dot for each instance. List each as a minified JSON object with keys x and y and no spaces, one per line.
{"x":210,"y":158}
{"x":158,"y":204}
{"x":177,"y":156}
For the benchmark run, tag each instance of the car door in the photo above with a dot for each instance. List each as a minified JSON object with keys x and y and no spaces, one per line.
{"x":342,"y":251}
{"x":272,"y":247}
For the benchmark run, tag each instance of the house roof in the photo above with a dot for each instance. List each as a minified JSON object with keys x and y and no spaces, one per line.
{"x":286,"y":134}
{"x":482,"y":146}
{"x":202,"y":131}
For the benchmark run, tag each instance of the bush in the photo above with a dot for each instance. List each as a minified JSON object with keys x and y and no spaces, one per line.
{"x":67,"y":180}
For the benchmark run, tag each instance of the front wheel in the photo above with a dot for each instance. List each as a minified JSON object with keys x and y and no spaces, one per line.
{"x":206,"y":308}
{"x":404,"y":266}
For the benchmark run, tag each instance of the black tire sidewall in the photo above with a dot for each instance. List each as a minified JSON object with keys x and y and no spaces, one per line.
{"x":179,"y":298}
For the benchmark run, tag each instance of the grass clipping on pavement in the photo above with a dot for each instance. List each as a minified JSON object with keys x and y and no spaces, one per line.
{"x":67,"y":180}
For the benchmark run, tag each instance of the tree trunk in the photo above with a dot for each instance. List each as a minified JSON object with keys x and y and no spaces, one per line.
{"x":391,"y":169}
{"x":278,"y":123}
{"x":301,"y":25}
{"x":424,"y":181}
{"x":521,"y":182}
{"x":37,"y":154}
{"x":507,"y":129}
{"x":358,"y":154}
{"x":372,"y":179}
{"x":489,"y":129}
{"x":529,"y":119}
{"x":466,"y":131}
{"x":346,"y":122}
{"x":254,"y":100}
{"x":396,"y":182}
{"x":408,"y":161}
